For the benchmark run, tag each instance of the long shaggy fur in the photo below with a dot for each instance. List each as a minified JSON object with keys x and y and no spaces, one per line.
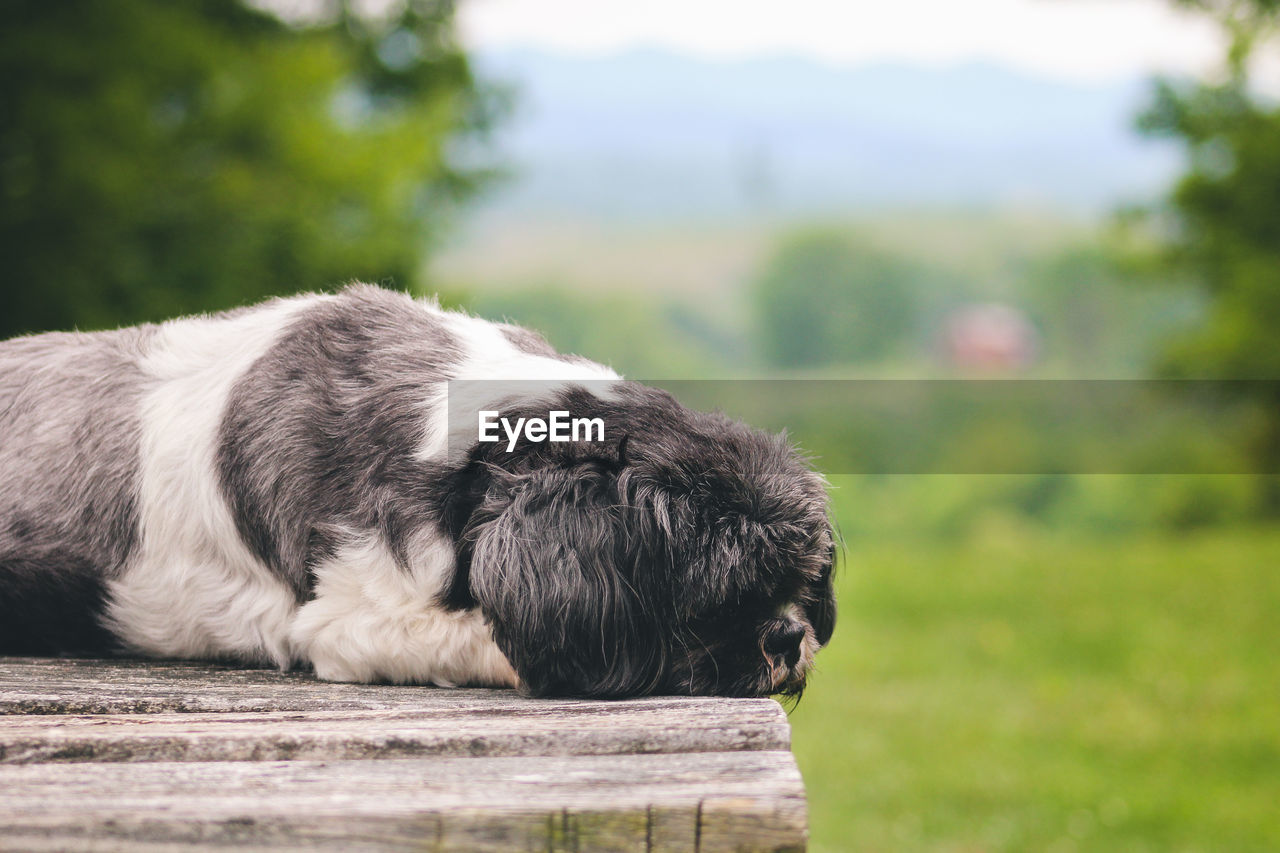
{"x":295,"y":483}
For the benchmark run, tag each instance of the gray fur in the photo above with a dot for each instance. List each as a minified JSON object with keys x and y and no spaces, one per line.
{"x":321,"y":433}
{"x":69,"y":477}
{"x":530,"y":342}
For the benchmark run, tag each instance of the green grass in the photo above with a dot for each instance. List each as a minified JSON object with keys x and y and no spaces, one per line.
{"x":1033,"y":692}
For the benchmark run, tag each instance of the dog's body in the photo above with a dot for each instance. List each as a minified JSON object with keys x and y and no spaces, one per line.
{"x":284,"y":484}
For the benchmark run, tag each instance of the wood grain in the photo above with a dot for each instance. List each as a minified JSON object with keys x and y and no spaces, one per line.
{"x":469,"y":728}
{"x":704,"y":801}
{"x":58,"y":686}
{"x":35,"y":686}
{"x":139,"y":755}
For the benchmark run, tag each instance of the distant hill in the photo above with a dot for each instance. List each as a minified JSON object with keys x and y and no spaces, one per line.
{"x":651,"y":134}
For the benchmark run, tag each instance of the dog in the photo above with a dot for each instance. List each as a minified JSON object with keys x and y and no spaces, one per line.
{"x":304,"y":483}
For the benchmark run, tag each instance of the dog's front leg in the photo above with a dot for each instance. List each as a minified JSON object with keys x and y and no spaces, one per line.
{"x":373,"y":619}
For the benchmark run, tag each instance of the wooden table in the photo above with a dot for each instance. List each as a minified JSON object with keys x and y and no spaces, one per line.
{"x":134,"y":755}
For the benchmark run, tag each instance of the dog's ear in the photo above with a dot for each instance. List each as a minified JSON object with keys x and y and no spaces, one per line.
{"x":737,"y":542}
{"x":819,"y":602}
{"x":560,"y":572}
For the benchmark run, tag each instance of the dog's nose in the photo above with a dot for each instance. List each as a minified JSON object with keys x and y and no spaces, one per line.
{"x":785,"y":642}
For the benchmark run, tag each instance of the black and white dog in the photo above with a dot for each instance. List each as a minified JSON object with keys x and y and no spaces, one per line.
{"x":289,"y":484}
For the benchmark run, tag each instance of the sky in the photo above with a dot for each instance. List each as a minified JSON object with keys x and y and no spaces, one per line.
{"x":1070,"y":39}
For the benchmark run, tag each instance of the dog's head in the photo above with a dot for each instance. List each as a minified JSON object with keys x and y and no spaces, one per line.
{"x":687,"y":554}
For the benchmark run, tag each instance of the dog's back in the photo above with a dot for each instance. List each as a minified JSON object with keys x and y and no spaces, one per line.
{"x":69,"y":462}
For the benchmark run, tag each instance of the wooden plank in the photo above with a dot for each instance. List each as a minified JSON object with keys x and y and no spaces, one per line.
{"x":63,"y":686}
{"x":37,"y":686}
{"x":469,"y":727}
{"x":705,"y":802}
{"x":143,"y":755}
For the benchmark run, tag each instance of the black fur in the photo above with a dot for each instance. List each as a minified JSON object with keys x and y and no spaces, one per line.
{"x":51,"y":603}
{"x":667,"y":567}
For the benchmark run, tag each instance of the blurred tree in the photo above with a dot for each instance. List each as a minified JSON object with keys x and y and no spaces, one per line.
{"x":1227,"y":213}
{"x":825,"y":300}
{"x":1096,"y":322}
{"x":168,"y":156}
{"x":1227,"y":206}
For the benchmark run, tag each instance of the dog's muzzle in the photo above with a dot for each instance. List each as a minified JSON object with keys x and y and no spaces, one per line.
{"x":788,"y":647}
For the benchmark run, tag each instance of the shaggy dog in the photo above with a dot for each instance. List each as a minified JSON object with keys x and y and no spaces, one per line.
{"x":303,"y":481}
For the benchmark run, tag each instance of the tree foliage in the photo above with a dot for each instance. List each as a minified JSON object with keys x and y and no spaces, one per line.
{"x":1226,"y":210}
{"x":1246,"y":23}
{"x":1228,"y":219}
{"x":168,"y":156}
{"x":1227,"y":206}
{"x":825,"y":300}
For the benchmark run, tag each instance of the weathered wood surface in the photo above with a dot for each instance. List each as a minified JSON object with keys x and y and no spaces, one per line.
{"x":424,"y":801}
{"x":56,"y":686}
{"x":457,"y":731}
{"x":119,"y":755}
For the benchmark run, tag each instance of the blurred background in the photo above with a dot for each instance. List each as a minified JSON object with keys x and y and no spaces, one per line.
{"x":1001,"y":189}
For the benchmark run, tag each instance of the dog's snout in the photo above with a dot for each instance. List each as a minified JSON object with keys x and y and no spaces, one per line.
{"x":785,"y":642}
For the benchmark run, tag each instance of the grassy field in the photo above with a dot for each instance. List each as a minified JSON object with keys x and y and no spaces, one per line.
{"x":1037,"y":692}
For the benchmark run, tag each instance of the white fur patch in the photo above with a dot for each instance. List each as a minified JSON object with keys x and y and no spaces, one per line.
{"x":370,"y":621}
{"x":490,"y":361}
{"x":194,"y":589}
